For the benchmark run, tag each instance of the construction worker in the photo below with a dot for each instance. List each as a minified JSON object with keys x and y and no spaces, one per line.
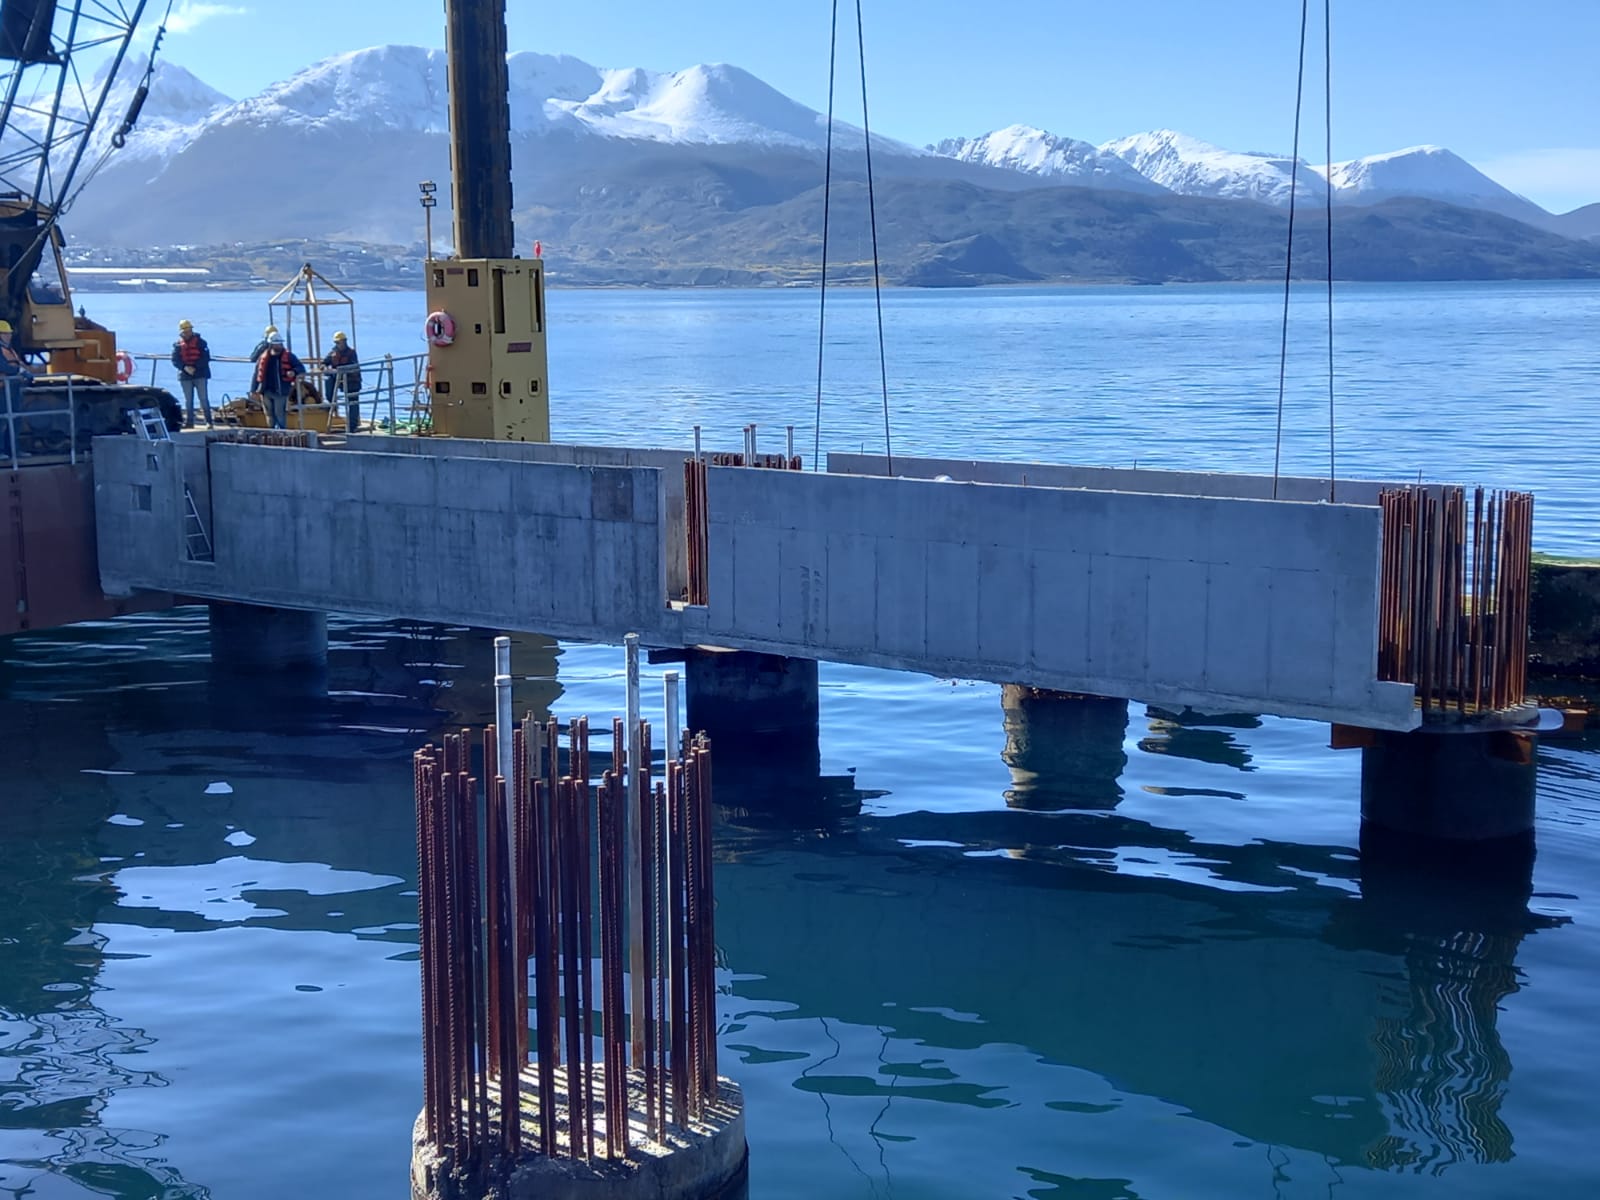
{"x":343,"y":364}
{"x":277,"y":370}
{"x":12,"y":368}
{"x":192,"y":357}
{"x":261,"y":346}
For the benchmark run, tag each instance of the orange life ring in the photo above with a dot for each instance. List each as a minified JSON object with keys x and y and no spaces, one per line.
{"x":124,"y":366}
{"x":440,"y":329}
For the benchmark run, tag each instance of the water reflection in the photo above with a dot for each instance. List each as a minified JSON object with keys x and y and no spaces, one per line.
{"x":1201,"y":737}
{"x":1021,"y":1000}
{"x":62,"y":1057}
{"x":1064,"y":752}
{"x":1299,"y":999}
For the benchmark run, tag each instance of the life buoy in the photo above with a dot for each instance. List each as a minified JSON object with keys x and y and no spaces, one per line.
{"x":440,"y":329}
{"x":124,"y":366}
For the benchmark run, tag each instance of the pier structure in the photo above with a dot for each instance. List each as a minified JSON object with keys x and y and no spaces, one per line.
{"x":1217,"y":593}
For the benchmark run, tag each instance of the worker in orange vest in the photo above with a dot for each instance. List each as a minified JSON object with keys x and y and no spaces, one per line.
{"x":276,"y":372}
{"x":192,"y":357}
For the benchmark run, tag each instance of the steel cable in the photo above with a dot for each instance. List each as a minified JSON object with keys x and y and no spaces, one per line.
{"x":1327,"y":113}
{"x":872,"y":214}
{"x":827,"y":205}
{"x":1288,"y":262}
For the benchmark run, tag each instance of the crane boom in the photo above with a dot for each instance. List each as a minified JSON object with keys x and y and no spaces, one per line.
{"x":59,"y":59}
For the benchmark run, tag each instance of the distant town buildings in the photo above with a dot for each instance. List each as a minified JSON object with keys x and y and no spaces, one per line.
{"x":240,"y":265}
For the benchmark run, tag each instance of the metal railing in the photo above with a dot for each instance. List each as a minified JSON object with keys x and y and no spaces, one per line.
{"x":396,"y":392}
{"x":27,"y":418}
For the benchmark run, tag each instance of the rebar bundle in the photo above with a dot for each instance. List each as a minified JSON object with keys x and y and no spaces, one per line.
{"x":297,"y":438}
{"x":1453,"y":605}
{"x":523,"y":886}
{"x":696,"y":514}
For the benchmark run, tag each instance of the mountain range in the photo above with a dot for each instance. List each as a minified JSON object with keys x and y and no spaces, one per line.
{"x":710,"y":175}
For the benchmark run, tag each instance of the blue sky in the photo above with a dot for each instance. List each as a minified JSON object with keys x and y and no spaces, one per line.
{"x":1514,"y":88}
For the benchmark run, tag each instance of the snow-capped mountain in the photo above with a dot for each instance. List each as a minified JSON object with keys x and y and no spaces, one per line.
{"x":710,"y":103}
{"x":179,"y":102}
{"x":404,"y":89}
{"x":1191,"y":167}
{"x":1431,"y":172}
{"x":1024,"y":148}
{"x":613,"y":147}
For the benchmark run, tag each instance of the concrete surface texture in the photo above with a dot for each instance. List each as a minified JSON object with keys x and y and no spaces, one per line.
{"x":1216,"y":484}
{"x":707,"y":1159}
{"x":1215,"y":602}
{"x":572,"y":551}
{"x":1220,"y":604}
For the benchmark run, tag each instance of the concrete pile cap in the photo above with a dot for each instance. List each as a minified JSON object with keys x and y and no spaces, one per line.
{"x":705,"y":1160}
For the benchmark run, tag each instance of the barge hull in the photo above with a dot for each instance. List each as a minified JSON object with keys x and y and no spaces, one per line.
{"x":49,"y":568}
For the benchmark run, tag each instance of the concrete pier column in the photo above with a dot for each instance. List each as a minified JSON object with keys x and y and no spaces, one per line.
{"x":761,"y":713}
{"x":1463,"y":787}
{"x":1064,"y":749}
{"x":251,"y":639}
{"x":760,"y":697}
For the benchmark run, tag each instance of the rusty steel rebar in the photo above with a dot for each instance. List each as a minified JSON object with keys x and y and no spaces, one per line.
{"x":546,"y":943}
{"x":1454,"y":596}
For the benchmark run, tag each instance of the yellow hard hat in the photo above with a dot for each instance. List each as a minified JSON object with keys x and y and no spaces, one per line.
{"x":5,"y":327}
{"x":269,"y":331}
{"x":185,"y":326}
{"x":340,"y":337}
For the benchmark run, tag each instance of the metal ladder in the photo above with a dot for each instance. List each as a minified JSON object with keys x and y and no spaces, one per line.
{"x":152,"y":426}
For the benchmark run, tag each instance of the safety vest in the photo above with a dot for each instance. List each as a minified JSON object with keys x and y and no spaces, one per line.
{"x":341,"y":358}
{"x":285,"y":368}
{"x":190,"y":348}
{"x":11,"y":355}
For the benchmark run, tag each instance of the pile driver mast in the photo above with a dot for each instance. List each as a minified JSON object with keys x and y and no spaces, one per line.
{"x":487,"y":325}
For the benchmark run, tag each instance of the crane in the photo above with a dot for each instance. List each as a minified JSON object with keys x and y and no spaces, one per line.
{"x":58,"y":62}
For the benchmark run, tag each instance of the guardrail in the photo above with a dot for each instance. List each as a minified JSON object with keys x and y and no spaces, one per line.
{"x":395,"y":392}
{"x":12,"y":450}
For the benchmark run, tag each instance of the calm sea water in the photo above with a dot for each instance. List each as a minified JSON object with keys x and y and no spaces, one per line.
{"x":1144,"y":960}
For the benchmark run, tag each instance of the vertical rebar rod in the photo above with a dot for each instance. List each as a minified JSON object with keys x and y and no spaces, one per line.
{"x":678,"y":948}
{"x":646,"y":881}
{"x":627,"y":772}
{"x":493,"y":855}
{"x":566,"y":842}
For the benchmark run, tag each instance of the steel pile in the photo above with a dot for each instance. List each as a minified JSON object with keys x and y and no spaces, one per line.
{"x":1453,"y":604}
{"x":523,"y":884}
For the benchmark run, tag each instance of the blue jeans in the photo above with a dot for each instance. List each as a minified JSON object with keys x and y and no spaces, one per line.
{"x":277,"y":409}
{"x":192,"y":385}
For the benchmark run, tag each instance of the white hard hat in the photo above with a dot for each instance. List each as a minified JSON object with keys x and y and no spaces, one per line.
{"x":275,"y":338}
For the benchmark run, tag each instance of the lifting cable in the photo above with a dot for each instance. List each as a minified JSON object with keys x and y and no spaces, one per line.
{"x":1288,"y":258}
{"x":827,"y":207}
{"x":1288,"y":268}
{"x":872,"y":211}
{"x":135,"y":106}
{"x":1327,"y":129}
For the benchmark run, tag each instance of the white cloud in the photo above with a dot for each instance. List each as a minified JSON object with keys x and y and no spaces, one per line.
{"x":190,"y":15}
{"x":1559,"y":178}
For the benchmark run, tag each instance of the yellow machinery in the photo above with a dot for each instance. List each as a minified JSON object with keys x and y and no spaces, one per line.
{"x":487,"y":356}
{"x":35,"y":299}
{"x":486,"y":316}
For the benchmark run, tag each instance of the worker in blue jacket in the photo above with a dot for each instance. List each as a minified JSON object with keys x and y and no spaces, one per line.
{"x":277,"y":371}
{"x":192,"y":357}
